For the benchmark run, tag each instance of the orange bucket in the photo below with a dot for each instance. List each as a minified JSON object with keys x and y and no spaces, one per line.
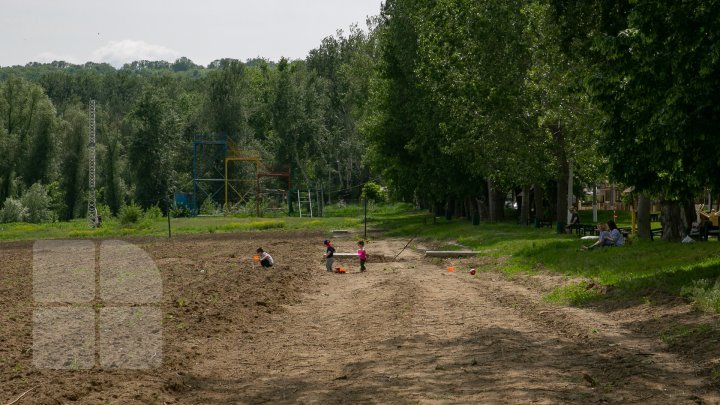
{"x":256,"y":258}
{"x":451,"y":269}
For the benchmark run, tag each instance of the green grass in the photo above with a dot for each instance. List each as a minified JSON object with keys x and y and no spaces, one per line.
{"x":635,"y":272}
{"x":638,"y":272}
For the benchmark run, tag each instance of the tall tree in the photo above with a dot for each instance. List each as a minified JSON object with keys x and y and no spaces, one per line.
{"x":655,"y":81}
{"x":73,"y":169}
{"x":155,"y":132}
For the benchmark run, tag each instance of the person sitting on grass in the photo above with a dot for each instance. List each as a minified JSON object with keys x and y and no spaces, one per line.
{"x":265,"y":259}
{"x":610,"y":235}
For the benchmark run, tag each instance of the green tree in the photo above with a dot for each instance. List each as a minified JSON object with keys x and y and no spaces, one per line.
{"x":28,"y":129}
{"x":73,"y":164}
{"x":155,"y":129}
{"x":655,"y":80}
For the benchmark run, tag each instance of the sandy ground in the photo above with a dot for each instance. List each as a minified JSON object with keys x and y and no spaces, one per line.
{"x":405,"y":331}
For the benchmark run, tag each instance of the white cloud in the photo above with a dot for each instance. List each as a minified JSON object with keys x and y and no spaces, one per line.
{"x":118,"y":53}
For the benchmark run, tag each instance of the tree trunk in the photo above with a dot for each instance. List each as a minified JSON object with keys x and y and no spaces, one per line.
{"x":492,"y":200}
{"x":525,"y":205}
{"x":499,"y":206}
{"x":643,"y":217}
{"x":483,"y":209}
{"x":561,"y":196}
{"x":449,"y":206}
{"x":676,"y":219}
{"x":296,"y":155}
{"x":539,"y":207}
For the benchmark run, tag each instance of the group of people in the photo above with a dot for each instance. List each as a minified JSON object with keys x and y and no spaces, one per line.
{"x":609,"y":235}
{"x":266,"y":261}
{"x":330,"y":255}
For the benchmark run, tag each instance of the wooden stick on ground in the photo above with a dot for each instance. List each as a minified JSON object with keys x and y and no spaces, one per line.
{"x":21,"y":396}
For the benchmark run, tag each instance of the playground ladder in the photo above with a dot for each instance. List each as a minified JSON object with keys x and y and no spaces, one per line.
{"x":307,"y":199}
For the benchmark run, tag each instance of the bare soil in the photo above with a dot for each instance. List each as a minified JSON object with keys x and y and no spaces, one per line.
{"x":405,"y":331}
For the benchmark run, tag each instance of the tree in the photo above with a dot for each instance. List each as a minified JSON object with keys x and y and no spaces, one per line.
{"x":73,"y":165}
{"x":152,"y":148}
{"x":655,"y":80}
{"x":28,"y":135}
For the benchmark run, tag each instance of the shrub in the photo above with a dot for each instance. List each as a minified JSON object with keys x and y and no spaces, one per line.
{"x":179,"y":211}
{"x":208,"y":207}
{"x":12,"y":211}
{"x":704,"y":293}
{"x":374,"y":192}
{"x":104,"y":211}
{"x":37,"y":202}
{"x":154,"y":212}
{"x":130,"y":214}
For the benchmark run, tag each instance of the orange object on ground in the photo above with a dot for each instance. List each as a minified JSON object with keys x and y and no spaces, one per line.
{"x":256,"y":258}
{"x":451,"y":269}
{"x":340,"y":270}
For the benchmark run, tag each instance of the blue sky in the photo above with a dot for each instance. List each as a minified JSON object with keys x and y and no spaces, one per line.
{"x":117,"y":32}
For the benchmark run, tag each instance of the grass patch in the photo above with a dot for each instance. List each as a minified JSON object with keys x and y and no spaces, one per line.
{"x":574,"y":294}
{"x":705,"y":294}
{"x":679,"y":334}
{"x":636,"y":273}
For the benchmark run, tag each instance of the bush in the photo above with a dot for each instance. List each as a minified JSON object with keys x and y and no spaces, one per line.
{"x":13,"y":211}
{"x":130,"y":214}
{"x":374,"y":192}
{"x":209,"y":207}
{"x":104,"y":212}
{"x":179,"y":211}
{"x":704,"y":293}
{"x":154,"y":212}
{"x":37,"y":202}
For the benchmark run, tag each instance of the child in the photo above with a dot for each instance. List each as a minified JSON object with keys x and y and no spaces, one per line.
{"x":265,"y":259}
{"x":362,"y":254}
{"x":329,"y":259}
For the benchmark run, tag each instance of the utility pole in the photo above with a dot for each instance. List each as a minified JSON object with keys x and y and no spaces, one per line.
{"x":92,"y":203}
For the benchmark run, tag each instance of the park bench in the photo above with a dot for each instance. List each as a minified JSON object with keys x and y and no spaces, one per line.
{"x":541,"y":223}
{"x":584,"y":230}
{"x":656,"y":233}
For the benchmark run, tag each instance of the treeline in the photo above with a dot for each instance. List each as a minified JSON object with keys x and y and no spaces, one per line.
{"x":300,"y":113}
{"x":452,"y":103}
{"x":473,"y":98}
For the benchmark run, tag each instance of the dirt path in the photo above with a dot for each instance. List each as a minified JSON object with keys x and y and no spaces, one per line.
{"x":409,"y":332}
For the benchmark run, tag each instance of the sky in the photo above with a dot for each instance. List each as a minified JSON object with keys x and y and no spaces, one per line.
{"x":118,"y":32}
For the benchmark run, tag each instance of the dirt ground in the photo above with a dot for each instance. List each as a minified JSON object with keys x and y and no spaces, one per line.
{"x":405,"y":331}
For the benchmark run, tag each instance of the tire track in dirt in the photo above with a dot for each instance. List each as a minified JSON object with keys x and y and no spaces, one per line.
{"x":409,"y":332}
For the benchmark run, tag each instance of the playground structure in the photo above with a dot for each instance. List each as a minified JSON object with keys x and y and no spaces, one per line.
{"x":220,"y":166}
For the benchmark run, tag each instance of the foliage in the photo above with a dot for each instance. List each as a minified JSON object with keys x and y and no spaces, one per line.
{"x":375,"y":192}
{"x":13,"y":210}
{"x":654,"y":78}
{"x":130,"y":214}
{"x":37,"y":202}
{"x":704,"y":293}
{"x":179,"y":211}
{"x":209,"y":207}
{"x":153,"y":212}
